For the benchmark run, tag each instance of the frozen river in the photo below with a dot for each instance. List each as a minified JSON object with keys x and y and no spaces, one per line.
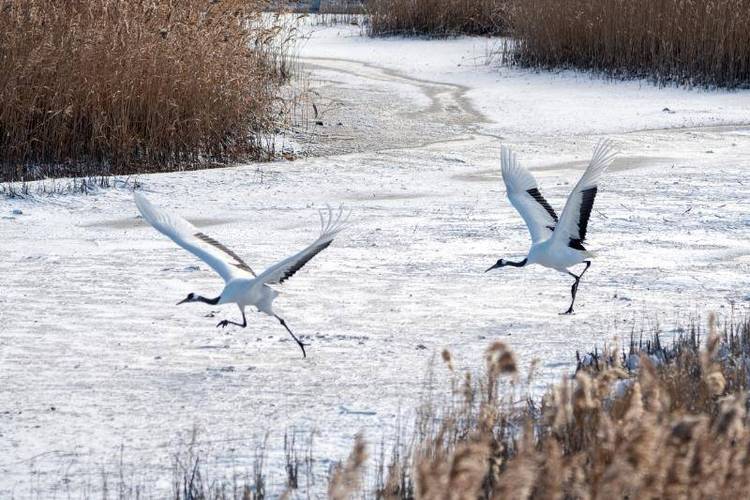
{"x":98,"y":366}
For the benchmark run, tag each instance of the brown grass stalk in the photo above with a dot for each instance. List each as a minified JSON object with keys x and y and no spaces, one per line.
{"x":345,"y":480}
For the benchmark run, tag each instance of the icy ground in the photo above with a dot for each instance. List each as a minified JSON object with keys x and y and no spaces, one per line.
{"x":99,"y":370}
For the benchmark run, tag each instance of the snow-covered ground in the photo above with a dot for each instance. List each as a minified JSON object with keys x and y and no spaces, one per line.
{"x":98,"y":365}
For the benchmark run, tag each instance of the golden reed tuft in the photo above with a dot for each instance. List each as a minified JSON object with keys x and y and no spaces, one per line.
{"x":345,"y":480}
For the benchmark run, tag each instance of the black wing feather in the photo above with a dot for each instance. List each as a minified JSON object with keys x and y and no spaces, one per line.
{"x":587,"y":203}
{"x":534,"y":192}
{"x":576,"y":244}
{"x":301,"y":263}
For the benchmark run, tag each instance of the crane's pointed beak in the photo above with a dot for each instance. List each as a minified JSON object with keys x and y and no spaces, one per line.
{"x":491,"y":268}
{"x":182,"y":301}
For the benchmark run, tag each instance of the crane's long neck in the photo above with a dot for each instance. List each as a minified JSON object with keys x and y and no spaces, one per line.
{"x":213,"y":302}
{"x":516,"y":264}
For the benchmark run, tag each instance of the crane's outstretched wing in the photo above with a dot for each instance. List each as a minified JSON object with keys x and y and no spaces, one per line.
{"x":524,"y":194}
{"x":221,"y":259}
{"x":281,"y":271}
{"x":575,"y":216}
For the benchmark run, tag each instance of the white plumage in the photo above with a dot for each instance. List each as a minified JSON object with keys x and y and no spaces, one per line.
{"x":242,"y":286}
{"x":557,"y":243}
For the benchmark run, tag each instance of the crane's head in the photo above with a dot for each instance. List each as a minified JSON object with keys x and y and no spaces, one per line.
{"x":191,"y":297}
{"x":499,"y":263}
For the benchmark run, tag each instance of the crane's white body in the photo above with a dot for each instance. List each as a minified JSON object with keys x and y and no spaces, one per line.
{"x":550,"y":236}
{"x":249,"y":292}
{"x":550,"y":253}
{"x":556,"y":243}
{"x":242,"y":286}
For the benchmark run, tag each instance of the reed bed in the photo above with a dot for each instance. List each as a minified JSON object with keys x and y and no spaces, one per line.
{"x":93,"y":87}
{"x":349,"y":7}
{"x":436,"y":17}
{"x":653,"y":422}
{"x":704,"y":43}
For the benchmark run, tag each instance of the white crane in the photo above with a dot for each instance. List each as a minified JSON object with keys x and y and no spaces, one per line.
{"x":557,"y":244}
{"x":242,"y":286}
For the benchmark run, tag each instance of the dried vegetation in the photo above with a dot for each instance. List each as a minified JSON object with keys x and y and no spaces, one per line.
{"x":436,"y":17}
{"x":651,"y":423}
{"x":703,"y":42}
{"x":93,"y":87}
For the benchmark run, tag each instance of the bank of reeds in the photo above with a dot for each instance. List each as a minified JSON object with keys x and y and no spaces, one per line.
{"x":650,"y":423}
{"x":93,"y":87}
{"x":350,"y":7}
{"x":436,"y":17}
{"x":703,"y":42}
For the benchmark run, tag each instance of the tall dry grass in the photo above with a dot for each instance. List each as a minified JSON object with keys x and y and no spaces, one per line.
{"x":106,"y":86}
{"x":705,"y":42}
{"x":674,"y":424}
{"x":350,"y":7}
{"x":436,"y":17}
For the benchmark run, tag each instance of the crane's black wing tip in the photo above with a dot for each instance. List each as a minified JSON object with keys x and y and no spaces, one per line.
{"x":587,"y":204}
{"x":537,"y":195}
{"x":301,"y":263}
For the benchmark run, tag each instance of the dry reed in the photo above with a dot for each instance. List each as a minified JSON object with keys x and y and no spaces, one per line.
{"x":436,"y":17}
{"x":703,"y":42}
{"x":90,"y":87}
{"x":673,"y":426}
{"x":345,"y":478}
{"x":349,"y":7}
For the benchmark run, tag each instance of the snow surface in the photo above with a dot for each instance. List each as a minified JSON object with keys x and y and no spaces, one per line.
{"x":101,"y":371}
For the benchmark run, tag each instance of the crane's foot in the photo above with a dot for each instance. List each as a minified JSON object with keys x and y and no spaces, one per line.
{"x":569,"y":311}
{"x":226,"y":322}
{"x":299,"y":342}
{"x":302,"y":346}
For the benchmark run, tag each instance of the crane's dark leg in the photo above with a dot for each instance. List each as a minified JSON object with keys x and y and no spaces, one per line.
{"x":574,"y":288}
{"x":300,"y":344}
{"x":588,"y":264}
{"x":226,"y":322}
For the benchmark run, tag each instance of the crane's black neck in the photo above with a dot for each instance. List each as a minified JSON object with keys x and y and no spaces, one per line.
{"x":213,"y":302}
{"x":516,"y":264}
